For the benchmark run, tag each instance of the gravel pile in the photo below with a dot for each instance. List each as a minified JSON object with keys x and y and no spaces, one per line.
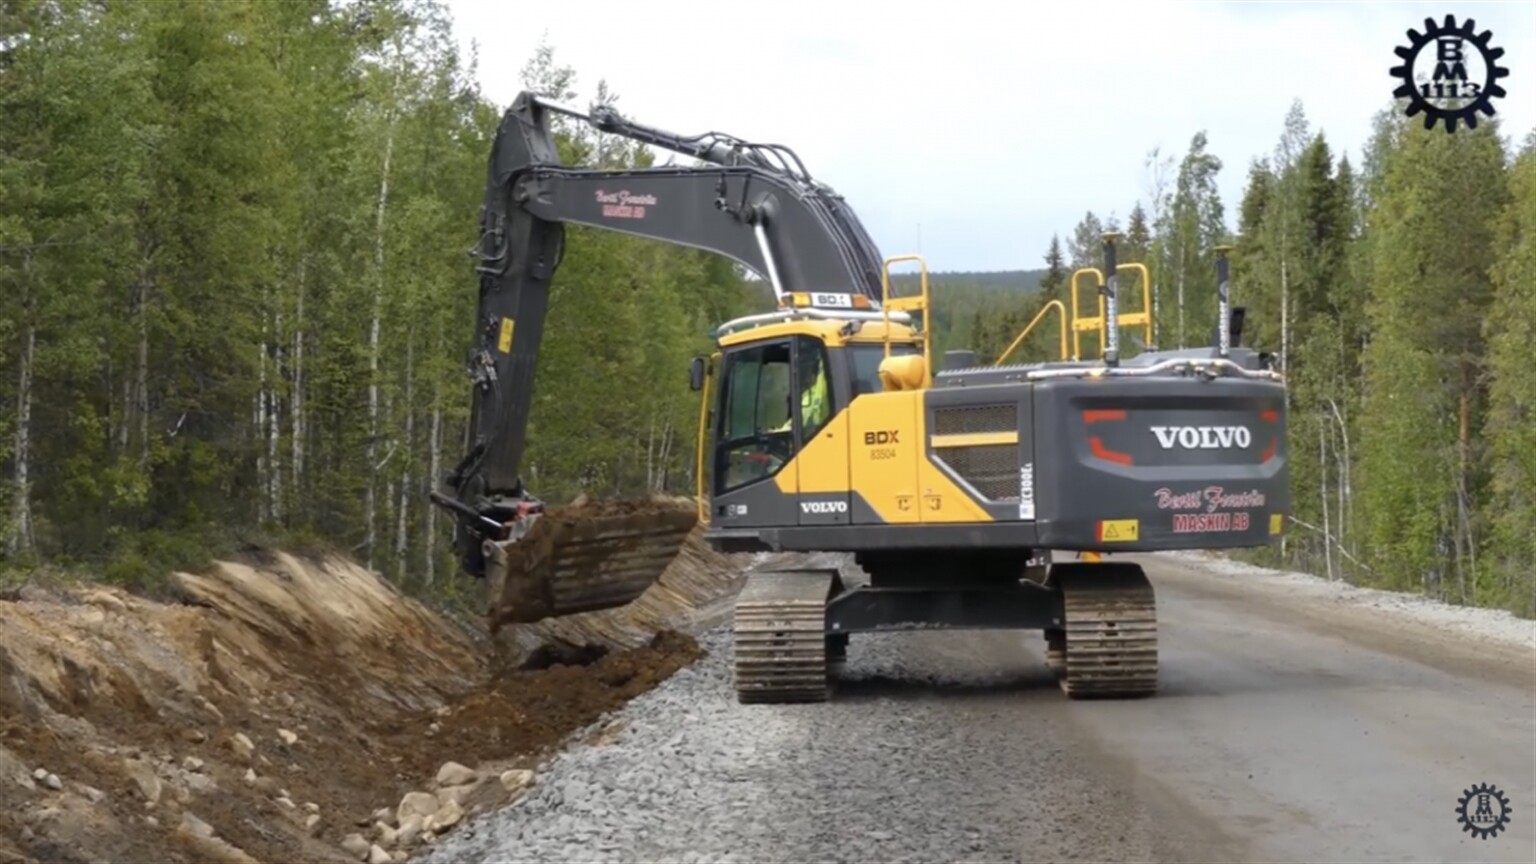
{"x":934,"y":749}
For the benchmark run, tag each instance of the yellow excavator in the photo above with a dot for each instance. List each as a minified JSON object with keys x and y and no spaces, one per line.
{"x":825,"y":426}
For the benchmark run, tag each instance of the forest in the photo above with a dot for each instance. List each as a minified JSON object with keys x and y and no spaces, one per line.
{"x":236,"y":302}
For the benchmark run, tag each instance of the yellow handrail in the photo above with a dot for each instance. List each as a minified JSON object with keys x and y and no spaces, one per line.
{"x":1144,"y":317}
{"x":1039,"y":315}
{"x":888,"y":304}
{"x":1079,"y":323}
{"x":1127,"y":319}
{"x":700,"y":444}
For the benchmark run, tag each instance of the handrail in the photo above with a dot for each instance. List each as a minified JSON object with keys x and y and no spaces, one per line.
{"x":1039,"y":315}
{"x":1193,"y":364}
{"x":890,"y":304}
{"x":701,"y":445}
{"x":1080,"y":323}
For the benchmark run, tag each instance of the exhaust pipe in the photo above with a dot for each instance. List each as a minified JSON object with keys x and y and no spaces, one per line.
{"x":1111,"y":303}
{"x":1223,"y":302}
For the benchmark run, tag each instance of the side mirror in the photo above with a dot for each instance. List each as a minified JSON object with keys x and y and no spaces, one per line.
{"x":696,"y":374}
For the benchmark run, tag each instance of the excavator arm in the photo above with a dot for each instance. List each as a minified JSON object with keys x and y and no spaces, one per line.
{"x":753,"y":203}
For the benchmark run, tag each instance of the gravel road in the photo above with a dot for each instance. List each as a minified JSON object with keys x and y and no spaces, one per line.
{"x":1290,"y":726}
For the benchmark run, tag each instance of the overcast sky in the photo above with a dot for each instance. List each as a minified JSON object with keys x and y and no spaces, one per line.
{"x":973,"y":136}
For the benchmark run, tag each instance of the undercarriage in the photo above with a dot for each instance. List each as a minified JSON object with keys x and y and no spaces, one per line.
{"x":1099,"y":618}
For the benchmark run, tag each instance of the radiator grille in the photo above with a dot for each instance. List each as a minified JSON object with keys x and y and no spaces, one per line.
{"x":966,"y":419}
{"x":993,"y":469}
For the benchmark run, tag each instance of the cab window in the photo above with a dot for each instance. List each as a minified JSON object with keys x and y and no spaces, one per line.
{"x":756,"y":436}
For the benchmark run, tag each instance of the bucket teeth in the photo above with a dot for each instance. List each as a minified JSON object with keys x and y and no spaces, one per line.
{"x":780,"y":637}
{"x":1109,"y":649}
{"x":585,"y":558}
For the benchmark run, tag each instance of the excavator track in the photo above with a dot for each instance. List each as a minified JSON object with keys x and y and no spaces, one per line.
{"x":780,"y":637}
{"x":585,"y":557}
{"x":1109,"y":649}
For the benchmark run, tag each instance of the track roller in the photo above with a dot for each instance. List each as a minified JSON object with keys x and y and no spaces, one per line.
{"x":780,"y":636}
{"x":1110,"y":634}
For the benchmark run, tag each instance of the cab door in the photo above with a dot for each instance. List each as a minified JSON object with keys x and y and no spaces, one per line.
{"x":821,"y":436}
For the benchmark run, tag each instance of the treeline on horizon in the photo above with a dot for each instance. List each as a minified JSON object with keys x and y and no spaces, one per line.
{"x":237,"y":305}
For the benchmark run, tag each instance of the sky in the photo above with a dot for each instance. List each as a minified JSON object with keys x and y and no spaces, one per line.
{"x":971,"y":138}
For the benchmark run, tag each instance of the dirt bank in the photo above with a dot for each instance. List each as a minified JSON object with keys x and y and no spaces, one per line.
{"x":289,"y":704}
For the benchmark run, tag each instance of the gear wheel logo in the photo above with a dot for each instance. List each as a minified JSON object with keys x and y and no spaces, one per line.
{"x":1463,"y":96}
{"x":1483,"y":822}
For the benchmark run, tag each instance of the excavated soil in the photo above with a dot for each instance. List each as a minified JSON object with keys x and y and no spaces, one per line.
{"x":287,"y":700}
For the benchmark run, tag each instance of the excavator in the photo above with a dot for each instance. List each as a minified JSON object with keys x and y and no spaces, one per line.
{"x":824,"y":426}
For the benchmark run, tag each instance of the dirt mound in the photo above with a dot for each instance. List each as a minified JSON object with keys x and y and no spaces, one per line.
{"x":272,"y":714}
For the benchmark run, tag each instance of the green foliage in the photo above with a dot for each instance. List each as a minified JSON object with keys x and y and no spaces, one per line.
{"x":235,"y":305}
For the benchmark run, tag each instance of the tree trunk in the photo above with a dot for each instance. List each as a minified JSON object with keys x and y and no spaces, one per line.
{"x":21,"y":521}
{"x":296,"y":401}
{"x":370,"y":505}
{"x":274,"y":420}
{"x":435,"y":463}
{"x":264,"y":507}
{"x":402,"y":537}
{"x":141,"y":373}
{"x":1322,"y":464}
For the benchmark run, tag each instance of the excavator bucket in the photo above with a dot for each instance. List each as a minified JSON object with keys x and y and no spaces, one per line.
{"x":584,"y":557}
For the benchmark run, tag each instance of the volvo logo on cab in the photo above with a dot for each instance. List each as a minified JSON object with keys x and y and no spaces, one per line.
{"x":1203,"y":437}
{"x":824,"y":506}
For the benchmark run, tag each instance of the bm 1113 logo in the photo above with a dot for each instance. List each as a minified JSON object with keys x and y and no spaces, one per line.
{"x":1450,"y":73}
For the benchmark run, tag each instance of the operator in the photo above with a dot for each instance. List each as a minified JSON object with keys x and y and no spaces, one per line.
{"x":815,"y":403}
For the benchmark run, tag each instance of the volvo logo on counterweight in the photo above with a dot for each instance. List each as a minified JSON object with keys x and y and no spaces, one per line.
{"x":1203,"y":437}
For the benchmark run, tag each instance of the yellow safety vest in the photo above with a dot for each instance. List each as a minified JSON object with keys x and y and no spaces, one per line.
{"x":814,"y":403}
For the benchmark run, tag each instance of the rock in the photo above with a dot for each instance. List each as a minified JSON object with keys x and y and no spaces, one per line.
{"x":517,"y":779}
{"x":376,"y":855}
{"x":289,"y":738}
{"x":105,"y":600}
{"x":356,"y":846}
{"x":384,"y":834}
{"x":286,"y":803}
{"x":250,"y":776}
{"x":419,"y":803}
{"x":196,"y":736}
{"x":147,"y":780}
{"x":454,"y":774}
{"x":312,"y":824}
{"x":456,"y":794}
{"x":195,"y":826}
{"x":447,"y":816}
{"x":383,"y":814}
{"x":39,"y":773}
{"x":192,"y":763}
{"x":92,"y":794}
{"x":410,"y":832}
{"x":201,"y":783}
{"x":400,"y":856}
{"x":242,"y":746}
{"x":311,"y":807}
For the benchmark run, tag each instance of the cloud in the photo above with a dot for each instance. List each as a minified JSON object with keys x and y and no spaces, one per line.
{"x":991,"y":125}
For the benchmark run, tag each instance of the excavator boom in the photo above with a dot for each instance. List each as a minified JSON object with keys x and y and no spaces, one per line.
{"x":753,"y":203}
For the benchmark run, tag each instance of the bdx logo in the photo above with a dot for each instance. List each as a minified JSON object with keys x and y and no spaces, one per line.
{"x":886,"y":437}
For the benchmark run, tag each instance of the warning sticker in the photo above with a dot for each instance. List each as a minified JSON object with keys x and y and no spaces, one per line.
{"x":504,"y":338}
{"x":1119,"y":530}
